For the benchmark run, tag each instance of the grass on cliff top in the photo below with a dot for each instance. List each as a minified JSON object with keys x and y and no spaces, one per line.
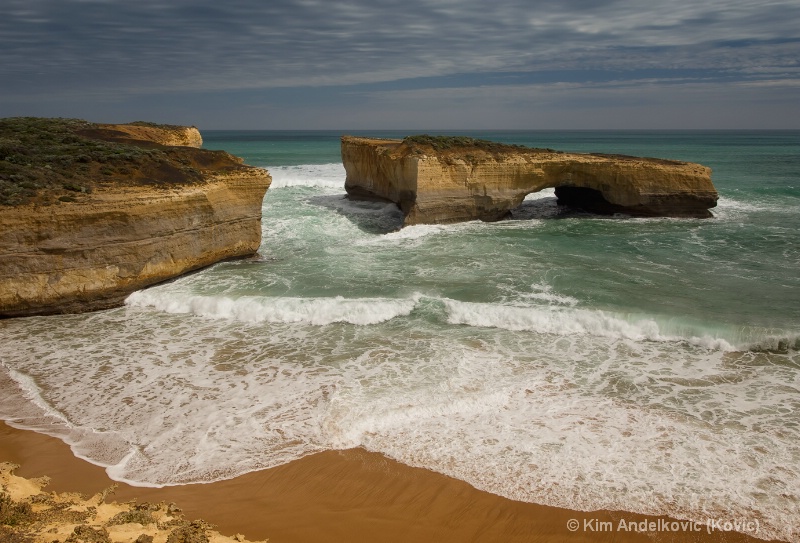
{"x":49,"y":160}
{"x":156,"y":125}
{"x":446,"y":143}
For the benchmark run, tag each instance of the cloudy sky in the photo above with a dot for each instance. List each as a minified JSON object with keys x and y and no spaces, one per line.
{"x":411,"y":64}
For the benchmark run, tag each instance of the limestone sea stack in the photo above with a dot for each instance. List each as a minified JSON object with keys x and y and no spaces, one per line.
{"x":452,"y":179}
{"x":89,"y":212}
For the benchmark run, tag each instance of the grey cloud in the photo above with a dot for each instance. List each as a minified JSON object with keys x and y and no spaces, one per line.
{"x":99,"y":51}
{"x":190,"y":44}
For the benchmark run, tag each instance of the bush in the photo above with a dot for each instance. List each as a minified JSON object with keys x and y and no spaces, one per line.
{"x":39,"y":157}
{"x":13,"y":514}
{"x":138,"y":516}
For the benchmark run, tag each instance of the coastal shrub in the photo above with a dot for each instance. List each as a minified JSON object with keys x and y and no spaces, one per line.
{"x":14,"y":514}
{"x":138,"y":516}
{"x":86,"y":534}
{"x":447,"y":142}
{"x":157,"y":125}
{"x":193,"y":532}
{"x":74,"y":188}
{"x":442,"y":143}
{"x":7,"y":535}
{"x":39,"y":157}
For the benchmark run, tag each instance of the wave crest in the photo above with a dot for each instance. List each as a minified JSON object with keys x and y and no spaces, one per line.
{"x":316,"y":311}
{"x":568,"y":321}
{"x":308,"y":175}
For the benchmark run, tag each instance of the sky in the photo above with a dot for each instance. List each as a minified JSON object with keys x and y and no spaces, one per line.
{"x":411,"y":64}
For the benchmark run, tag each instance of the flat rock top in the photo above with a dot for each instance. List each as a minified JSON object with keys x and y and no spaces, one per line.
{"x":165,"y":134}
{"x":47,"y":161}
{"x":471,"y":149}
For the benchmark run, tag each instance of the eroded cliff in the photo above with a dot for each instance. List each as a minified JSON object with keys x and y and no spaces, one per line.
{"x":116,"y":215}
{"x":443,"y":180}
{"x":164,"y":134}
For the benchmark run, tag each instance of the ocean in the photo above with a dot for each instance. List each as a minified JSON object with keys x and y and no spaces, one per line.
{"x":558,"y":357}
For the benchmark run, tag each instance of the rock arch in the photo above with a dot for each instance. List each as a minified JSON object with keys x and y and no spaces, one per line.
{"x":471,"y":179}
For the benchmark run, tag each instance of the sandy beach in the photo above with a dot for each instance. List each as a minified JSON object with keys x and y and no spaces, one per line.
{"x":350,"y":495}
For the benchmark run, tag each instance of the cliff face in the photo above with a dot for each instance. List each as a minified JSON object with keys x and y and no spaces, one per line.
{"x":91,"y":249}
{"x":188,"y":136}
{"x":463,"y":181}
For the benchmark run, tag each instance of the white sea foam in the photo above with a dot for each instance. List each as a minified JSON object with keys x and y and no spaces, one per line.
{"x":414,"y":232}
{"x":547,"y":320}
{"x":31,"y":392}
{"x":737,"y":205}
{"x":542,"y":194}
{"x":99,"y":447}
{"x":571,"y":420}
{"x":731,"y":208}
{"x":316,"y":311}
{"x":772,"y":342}
{"x":411,"y":236}
{"x":543,"y":292}
{"x":177,"y":404}
{"x":308,"y":175}
{"x":541,"y":443}
{"x":538,"y":431}
{"x":565,"y":322}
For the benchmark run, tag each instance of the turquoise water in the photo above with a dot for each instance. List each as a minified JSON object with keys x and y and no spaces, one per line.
{"x":739,"y":270}
{"x":590,"y":362}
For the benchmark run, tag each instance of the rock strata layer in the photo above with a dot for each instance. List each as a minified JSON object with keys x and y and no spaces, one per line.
{"x":188,"y":136}
{"x":445,"y":180}
{"x":175,"y":210}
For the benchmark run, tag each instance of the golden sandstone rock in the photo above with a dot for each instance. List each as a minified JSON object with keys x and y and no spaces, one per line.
{"x":122,"y":224}
{"x":28,"y":514}
{"x":445,"y":180}
{"x":163,"y":134}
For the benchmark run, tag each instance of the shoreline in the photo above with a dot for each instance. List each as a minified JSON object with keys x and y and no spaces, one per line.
{"x":350,"y":495}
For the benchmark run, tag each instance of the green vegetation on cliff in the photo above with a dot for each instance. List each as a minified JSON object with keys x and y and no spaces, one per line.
{"x":56,"y":160}
{"x":446,"y":143}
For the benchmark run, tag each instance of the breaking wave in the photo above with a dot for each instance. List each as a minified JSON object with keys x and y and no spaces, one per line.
{"x":316,"y":311}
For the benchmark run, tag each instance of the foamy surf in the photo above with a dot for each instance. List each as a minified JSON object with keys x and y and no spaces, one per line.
{"x":259,"y":421}
{"x":410,"y":233}
{"x":330,"y":176}
{"x":541,"y":195}
{"x":31,"y":392}
{"x":540,"y":443}
{"x":543,"y":293}
{"x":548,"y":319}
{"x":316,"y":311}
{"x":543,"y":312}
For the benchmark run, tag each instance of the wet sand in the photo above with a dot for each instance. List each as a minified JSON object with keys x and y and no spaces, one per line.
{"x":336,"y":496}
